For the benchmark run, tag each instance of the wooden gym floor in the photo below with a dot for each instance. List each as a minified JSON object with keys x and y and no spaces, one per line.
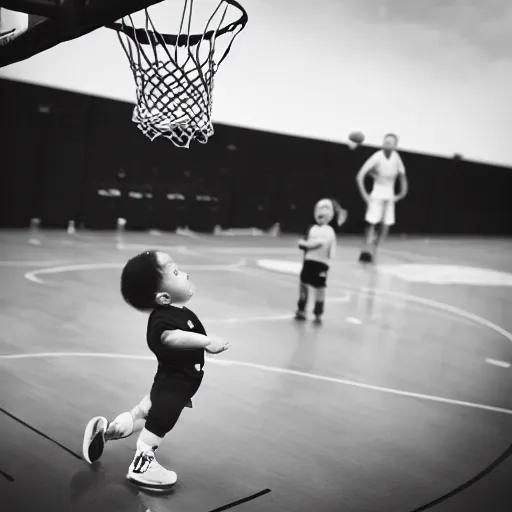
{"x":402,"y":395}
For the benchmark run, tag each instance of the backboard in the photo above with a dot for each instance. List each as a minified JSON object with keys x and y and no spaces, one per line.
{"x":173,"y":67}
{"x":51,"y":22}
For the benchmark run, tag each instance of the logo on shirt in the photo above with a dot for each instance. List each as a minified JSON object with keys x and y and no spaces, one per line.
{"x":190,"y":324}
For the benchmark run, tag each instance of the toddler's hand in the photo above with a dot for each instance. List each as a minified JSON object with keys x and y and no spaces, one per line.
{"x":217,"y":345}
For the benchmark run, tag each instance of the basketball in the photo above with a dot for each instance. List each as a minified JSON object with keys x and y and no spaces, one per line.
{"x":357,"y":137}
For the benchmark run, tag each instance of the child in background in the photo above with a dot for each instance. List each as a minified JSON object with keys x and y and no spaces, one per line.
{"x":319,"y":249}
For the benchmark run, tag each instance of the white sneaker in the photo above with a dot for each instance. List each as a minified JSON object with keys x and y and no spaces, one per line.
{"x":146,"y":472}
{"x":98,"y":431}
{"x":94,"y":439}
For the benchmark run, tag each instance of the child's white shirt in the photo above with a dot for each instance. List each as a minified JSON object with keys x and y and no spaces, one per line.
{"x":325,"y":235}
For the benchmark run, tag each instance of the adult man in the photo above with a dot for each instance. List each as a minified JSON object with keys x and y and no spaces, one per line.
{"x":385,"y":167}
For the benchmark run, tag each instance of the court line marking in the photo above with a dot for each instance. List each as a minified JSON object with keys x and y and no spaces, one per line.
{"x":236,"y":320}
{"x":187,"y":233}
{"x":31,"y":263}
{"x":269,"y":318}
{"x":434,"y":304}
{"x":285,"y":250}
{"x":287,"y":282}
{"x":32,"y":275}
{"x":496,"y":362}
{"x":431,"y":303}
{"x":144,"y":247}
{"x":82,"y":236}
{"x":273,"y":369}
{"x":38,"y":432}
{"x":243,"y":500}
{"x":413,"y":255}
{"x":251,"y":250}
{"x":8,"y":477}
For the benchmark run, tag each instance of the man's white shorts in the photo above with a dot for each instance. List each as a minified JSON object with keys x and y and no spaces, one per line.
{"x":380,"y":210}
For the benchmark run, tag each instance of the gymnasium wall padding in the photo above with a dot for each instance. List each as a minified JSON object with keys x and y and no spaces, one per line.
{"x":42,"y":154}
{"x":67,"y":156}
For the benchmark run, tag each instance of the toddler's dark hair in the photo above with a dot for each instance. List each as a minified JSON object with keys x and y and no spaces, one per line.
{"x":140,"y":281}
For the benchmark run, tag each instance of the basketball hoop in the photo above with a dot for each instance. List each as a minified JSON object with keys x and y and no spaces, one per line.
{"x":174,"y":74}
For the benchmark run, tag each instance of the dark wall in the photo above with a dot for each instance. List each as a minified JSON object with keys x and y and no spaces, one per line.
{"x":64,"y":156}
{"x":42,"y":154}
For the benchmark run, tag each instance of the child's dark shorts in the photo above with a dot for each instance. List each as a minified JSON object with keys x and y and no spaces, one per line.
{"x":171,"y":392}
{"x":314,"y":273}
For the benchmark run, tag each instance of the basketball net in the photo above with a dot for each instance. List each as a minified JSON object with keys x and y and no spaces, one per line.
{"x":174,"y":74}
